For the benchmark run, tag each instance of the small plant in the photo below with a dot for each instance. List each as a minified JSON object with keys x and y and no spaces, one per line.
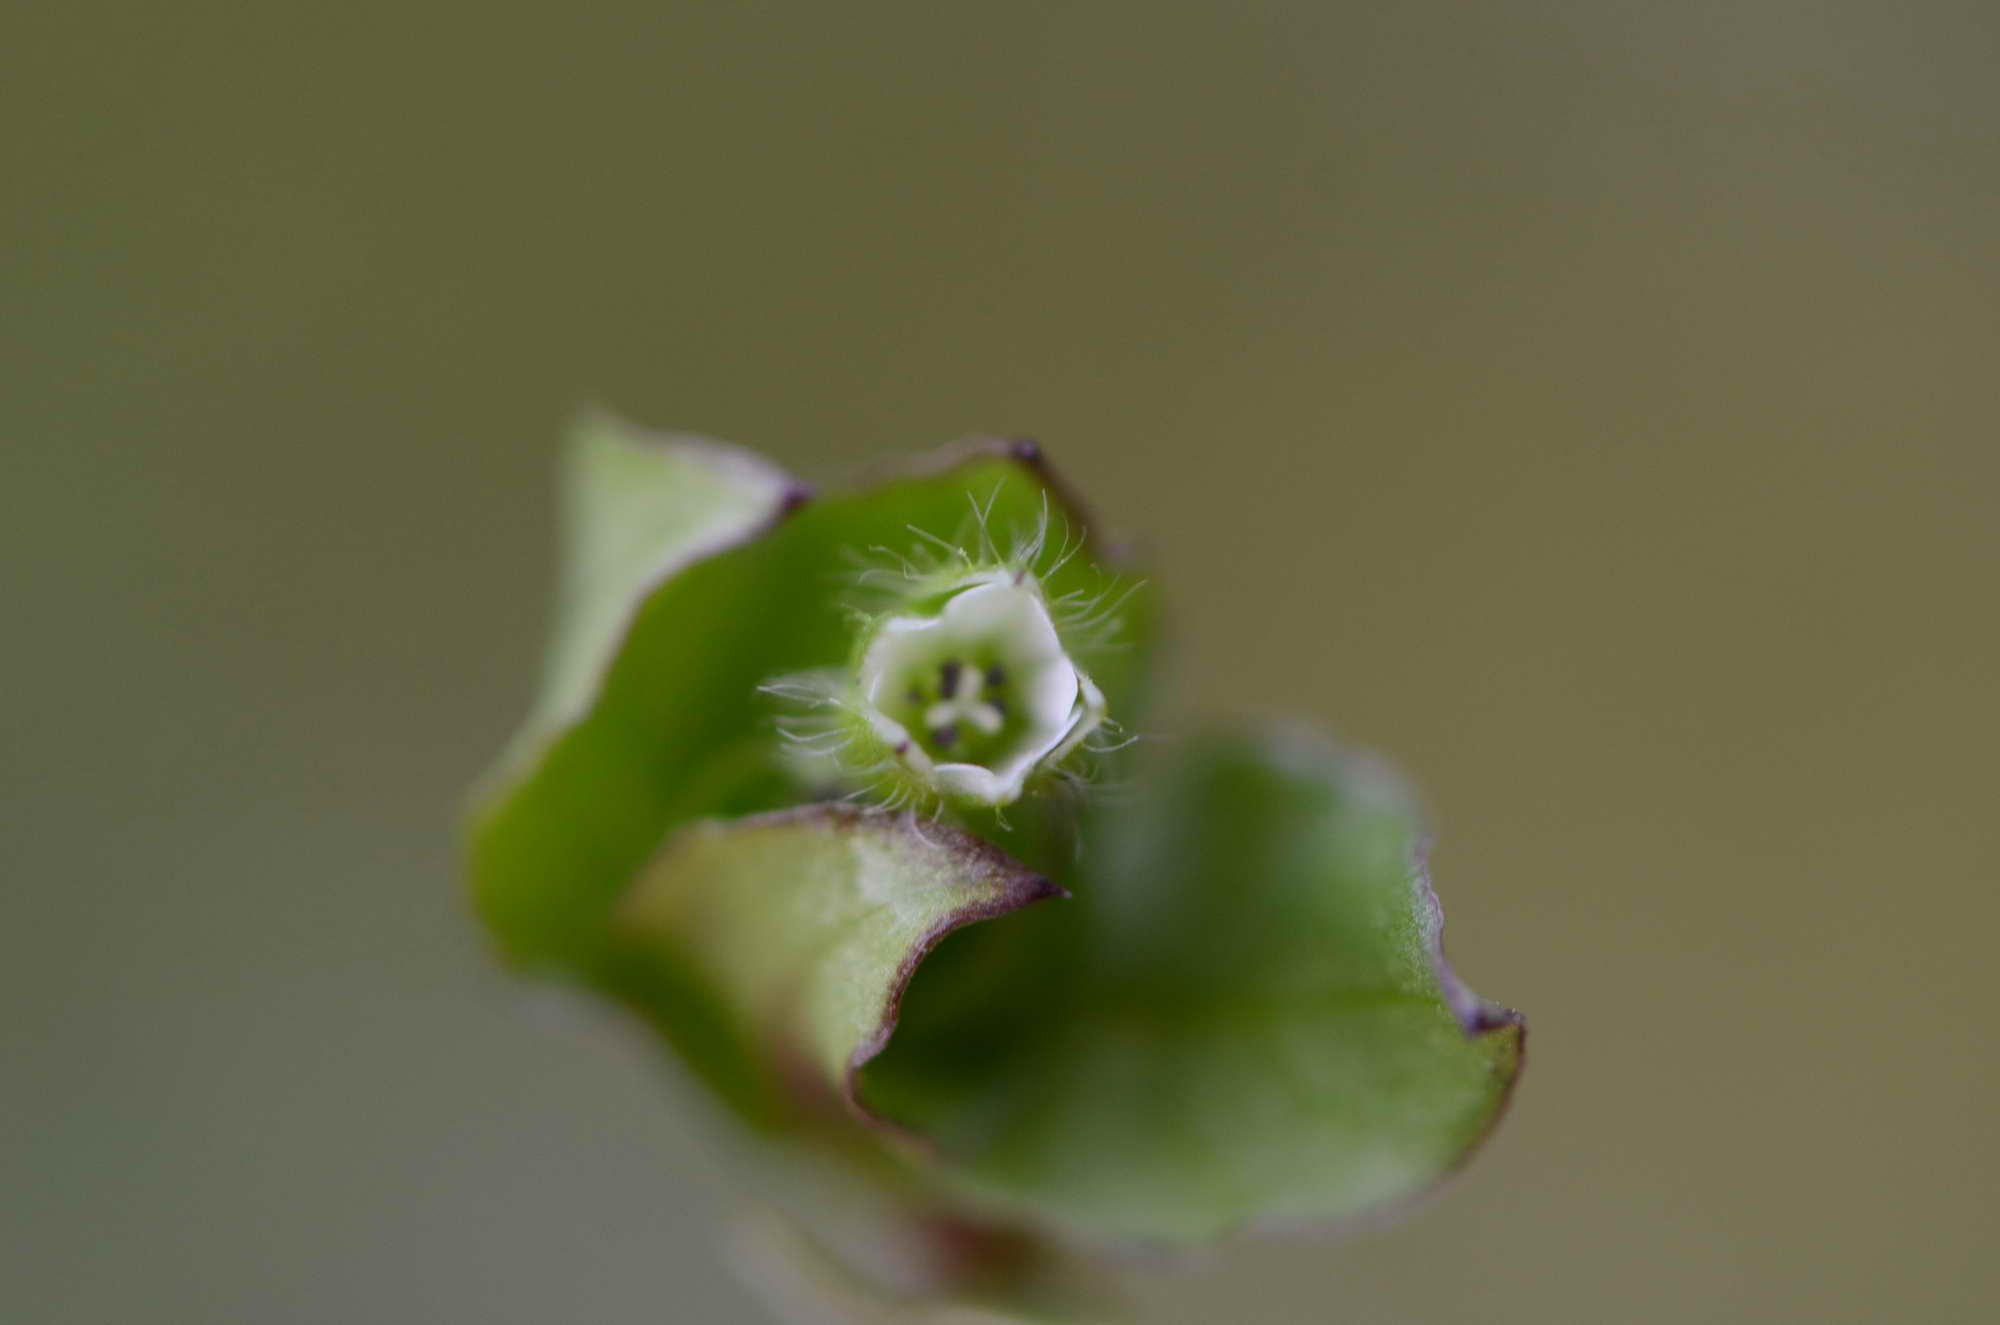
{"x":789,"y":745}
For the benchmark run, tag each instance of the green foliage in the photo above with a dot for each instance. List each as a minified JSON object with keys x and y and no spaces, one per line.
{"x":1254,"y":1027}
{"x":650,"y":716}
{"x":803,"y":926}
{"x":1241,"y":1017}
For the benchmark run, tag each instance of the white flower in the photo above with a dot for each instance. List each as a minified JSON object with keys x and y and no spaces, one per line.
{"x":963,"y":691}
{"x":973,"y":698}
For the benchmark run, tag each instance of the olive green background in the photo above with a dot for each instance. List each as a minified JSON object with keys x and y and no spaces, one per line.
{"x":1592,"y":405}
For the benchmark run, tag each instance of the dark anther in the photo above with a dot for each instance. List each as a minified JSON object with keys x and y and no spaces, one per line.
{"x":995,"y":677}
{"x":998,"y":705}
{"x":948,"y":677}
{"x":946,"y":736}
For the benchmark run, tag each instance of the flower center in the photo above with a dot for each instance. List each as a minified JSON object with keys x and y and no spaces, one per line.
{"x":973,"y":695}
{"x":959,"y":710}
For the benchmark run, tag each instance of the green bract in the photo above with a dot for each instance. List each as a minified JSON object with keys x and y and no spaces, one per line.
{"x":788,"y":745}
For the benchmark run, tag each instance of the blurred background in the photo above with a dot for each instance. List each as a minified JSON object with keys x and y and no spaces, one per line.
{"x":1591,"y":405}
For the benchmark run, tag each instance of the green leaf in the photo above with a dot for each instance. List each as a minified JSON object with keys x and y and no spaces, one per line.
{"x":1244,"y":1019}
{"x":693,"y":573}
{"x":640,"y":508}
{"x":801,"y":929}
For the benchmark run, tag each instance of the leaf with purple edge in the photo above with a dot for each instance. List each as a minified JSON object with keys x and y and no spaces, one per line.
{"x":694,"y":572}
{"x":1244,"y":1018}
{"x":1250,"y":1024}
{"x":803,"y":928}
